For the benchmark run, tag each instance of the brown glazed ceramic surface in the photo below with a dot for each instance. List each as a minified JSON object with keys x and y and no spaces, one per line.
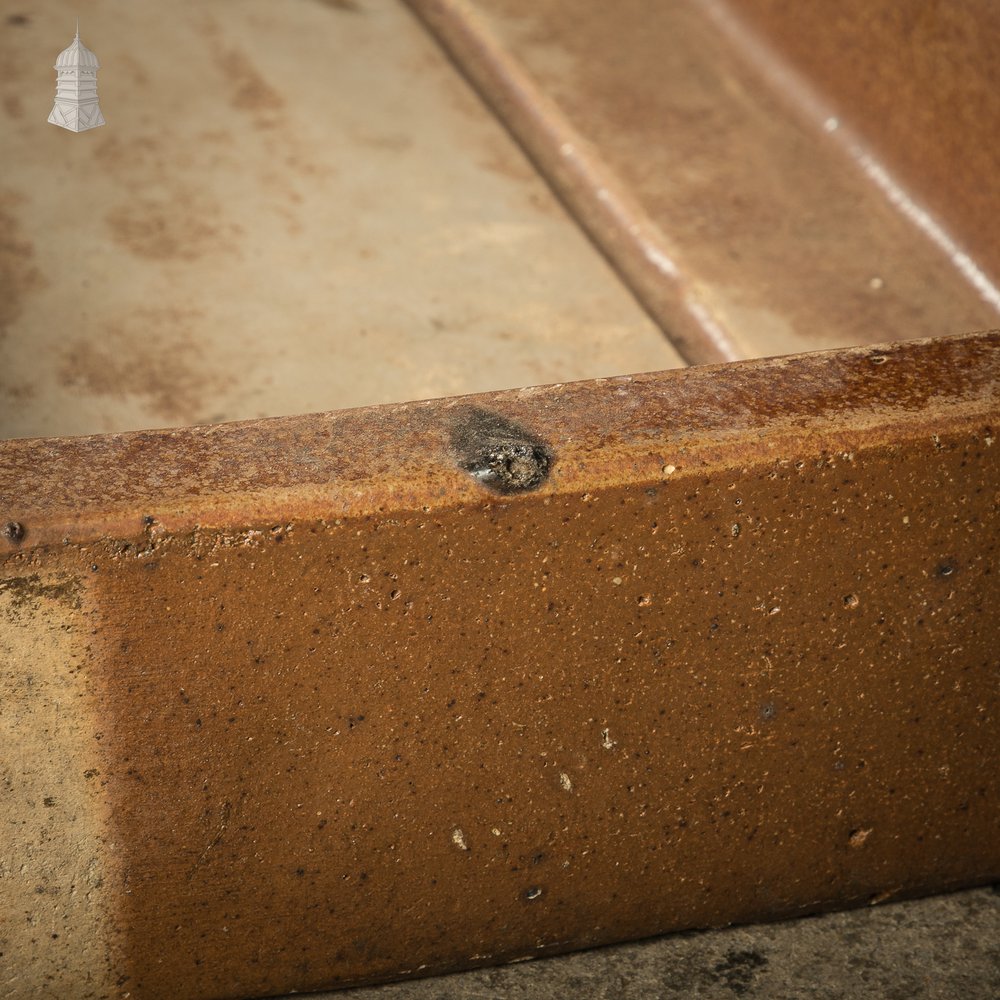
{"x":718,"y":175}
{"x":921,"y":81}
{"x":330,"y":699}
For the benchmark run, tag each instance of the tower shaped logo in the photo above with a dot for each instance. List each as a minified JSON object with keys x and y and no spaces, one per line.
{"x":76,"y":106}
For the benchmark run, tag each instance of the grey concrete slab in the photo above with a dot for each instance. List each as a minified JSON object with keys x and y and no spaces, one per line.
{"x":939,"y":948}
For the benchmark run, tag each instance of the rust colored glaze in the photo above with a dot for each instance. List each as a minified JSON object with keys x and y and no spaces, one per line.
{"x":736,"y":219}
{"x":358,"y":716}
{"x":921,"y":82}
{"x":405,"y":456}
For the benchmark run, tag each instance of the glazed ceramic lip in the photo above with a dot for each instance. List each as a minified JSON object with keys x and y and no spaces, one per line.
{"x":650,"y":428}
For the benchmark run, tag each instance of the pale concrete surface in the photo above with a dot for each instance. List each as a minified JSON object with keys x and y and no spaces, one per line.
{"x":932,"y":949}
{"x":292,"y":207}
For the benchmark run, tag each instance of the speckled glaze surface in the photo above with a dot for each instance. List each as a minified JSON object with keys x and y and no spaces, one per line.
{"x":325,"y":706}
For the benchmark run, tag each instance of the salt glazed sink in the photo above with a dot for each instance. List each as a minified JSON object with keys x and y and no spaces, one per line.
{"x":305,"y":687}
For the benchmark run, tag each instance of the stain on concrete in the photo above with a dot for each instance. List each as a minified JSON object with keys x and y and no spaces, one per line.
{"x":139,"y":76}
{"x":170,"y":229}
{"x":344,"y":6}
{"x":500,"y":157}
{"x":250,"y":91}
{"x":154,"y":355}
{"x":183,"y":223}
{"x":19,"y":276}
{"x":137,"y":153}
{"x":13,"y":105}
{"x":738,"y":969}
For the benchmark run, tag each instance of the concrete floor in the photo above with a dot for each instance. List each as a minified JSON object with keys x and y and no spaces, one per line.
{"x":309,"y":210}
{"x":938,"y":948}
